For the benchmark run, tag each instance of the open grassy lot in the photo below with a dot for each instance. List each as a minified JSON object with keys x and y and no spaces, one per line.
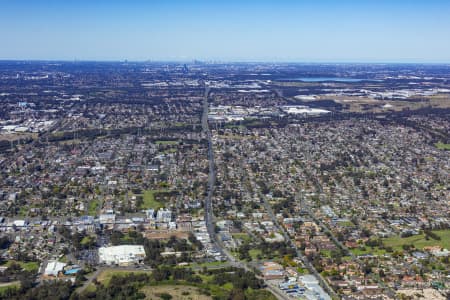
{"x":254,"y":253}
{"x":442,"y":146}
{"x":368,"y":250}
{"x":90,"y":288}
{"x":29,"y":266}
{"x":208,"y":288}
{"x":163,"y":142}
{"x":181,"y":292}
{"x":150,"y":201}
{"x":23,"y":211}
{"x":419,"y":241}
{"x":213,"y":264}
{"x":106,"y":275}
{"x":325,"y":253}
{"x":170,"y":287}
{"x":88,"y":240}
{"x":346,"y":224}
{"x":242,"y":236}
{"x":93,"y":207}
{"x":9,"y":285}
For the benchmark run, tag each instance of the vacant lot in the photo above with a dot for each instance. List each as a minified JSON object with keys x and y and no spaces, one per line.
{"x":28,"y":266}
{"x":181,"y":292}
{"x":150,"y":201}
{"x":93,"y":207}
{"x":164,"y":142}
{"x":368,"y":250}
{"x":442,"y":146}
{"x":8,"y":285}
{"x":106,"y":275}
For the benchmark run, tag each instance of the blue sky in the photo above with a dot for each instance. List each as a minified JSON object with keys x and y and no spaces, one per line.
{"x":306,"y":31}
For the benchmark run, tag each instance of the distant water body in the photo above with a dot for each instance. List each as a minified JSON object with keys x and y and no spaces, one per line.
{"x":323,"y":79}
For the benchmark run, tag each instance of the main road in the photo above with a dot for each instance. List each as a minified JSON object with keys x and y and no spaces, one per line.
{"x":209,"y":214}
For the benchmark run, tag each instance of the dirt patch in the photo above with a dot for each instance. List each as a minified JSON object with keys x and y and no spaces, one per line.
{"x":178,"y":292}
{"x":162,"y":234}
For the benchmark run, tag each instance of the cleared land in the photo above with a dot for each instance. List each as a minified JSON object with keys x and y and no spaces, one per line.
{"x":106,"y":275}
{"x":182,"y":292}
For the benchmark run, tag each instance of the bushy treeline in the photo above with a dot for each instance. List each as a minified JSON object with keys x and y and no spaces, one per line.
{"x":54,"y":290}
{"x":119,"y":287}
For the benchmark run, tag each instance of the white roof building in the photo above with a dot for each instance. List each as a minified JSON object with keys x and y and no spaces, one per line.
{"x":300,"y":109}
{"x":121,"y":255}
{"x":440,"y":253}
{"x":150,"y":214}
{"x":107,"y":218}
{"x":53,"y":268}
{"x":19,"y":223}
{"x":164,"y":215}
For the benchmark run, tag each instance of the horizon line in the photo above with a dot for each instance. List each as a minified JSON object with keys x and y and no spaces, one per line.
{"x":227,"y":61}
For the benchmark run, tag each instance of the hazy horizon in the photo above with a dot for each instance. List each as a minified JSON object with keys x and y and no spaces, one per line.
{"x":220,"y":61}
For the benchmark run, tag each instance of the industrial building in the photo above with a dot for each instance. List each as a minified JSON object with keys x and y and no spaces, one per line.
{"x":53,"y":268}
{"x":123,"y":255}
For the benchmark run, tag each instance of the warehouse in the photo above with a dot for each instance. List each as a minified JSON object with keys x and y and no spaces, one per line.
{"x":53,"y":268}
{"x":121,"y":255}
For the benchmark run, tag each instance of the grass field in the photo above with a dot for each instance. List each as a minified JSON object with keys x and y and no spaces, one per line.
{"x":162,"y":142}
{"x":254,"y":253}
{"x":9,"y":285}
{"x":214,"y":264}
{"x":218,"y":291}
{"x":93,"y":207}
{"x":28,"y":266}
{"x":105,"y":276}
{"x":442,"y":146}
{"x":87,"y":240}
{"x":90,"y":288}
{"x":149,"y":200}
{"x":23,"y":211}
{"x":346,"y":224}
{"x":237,"y":137}
{"x":181,"y":292}
{"x":243,"y":236}
{"x":259,"y":295}
{"x":368,"y":250}
{"x":419,"y":241}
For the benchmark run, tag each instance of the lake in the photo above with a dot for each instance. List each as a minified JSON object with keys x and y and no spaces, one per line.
{"x":322,"y":79}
